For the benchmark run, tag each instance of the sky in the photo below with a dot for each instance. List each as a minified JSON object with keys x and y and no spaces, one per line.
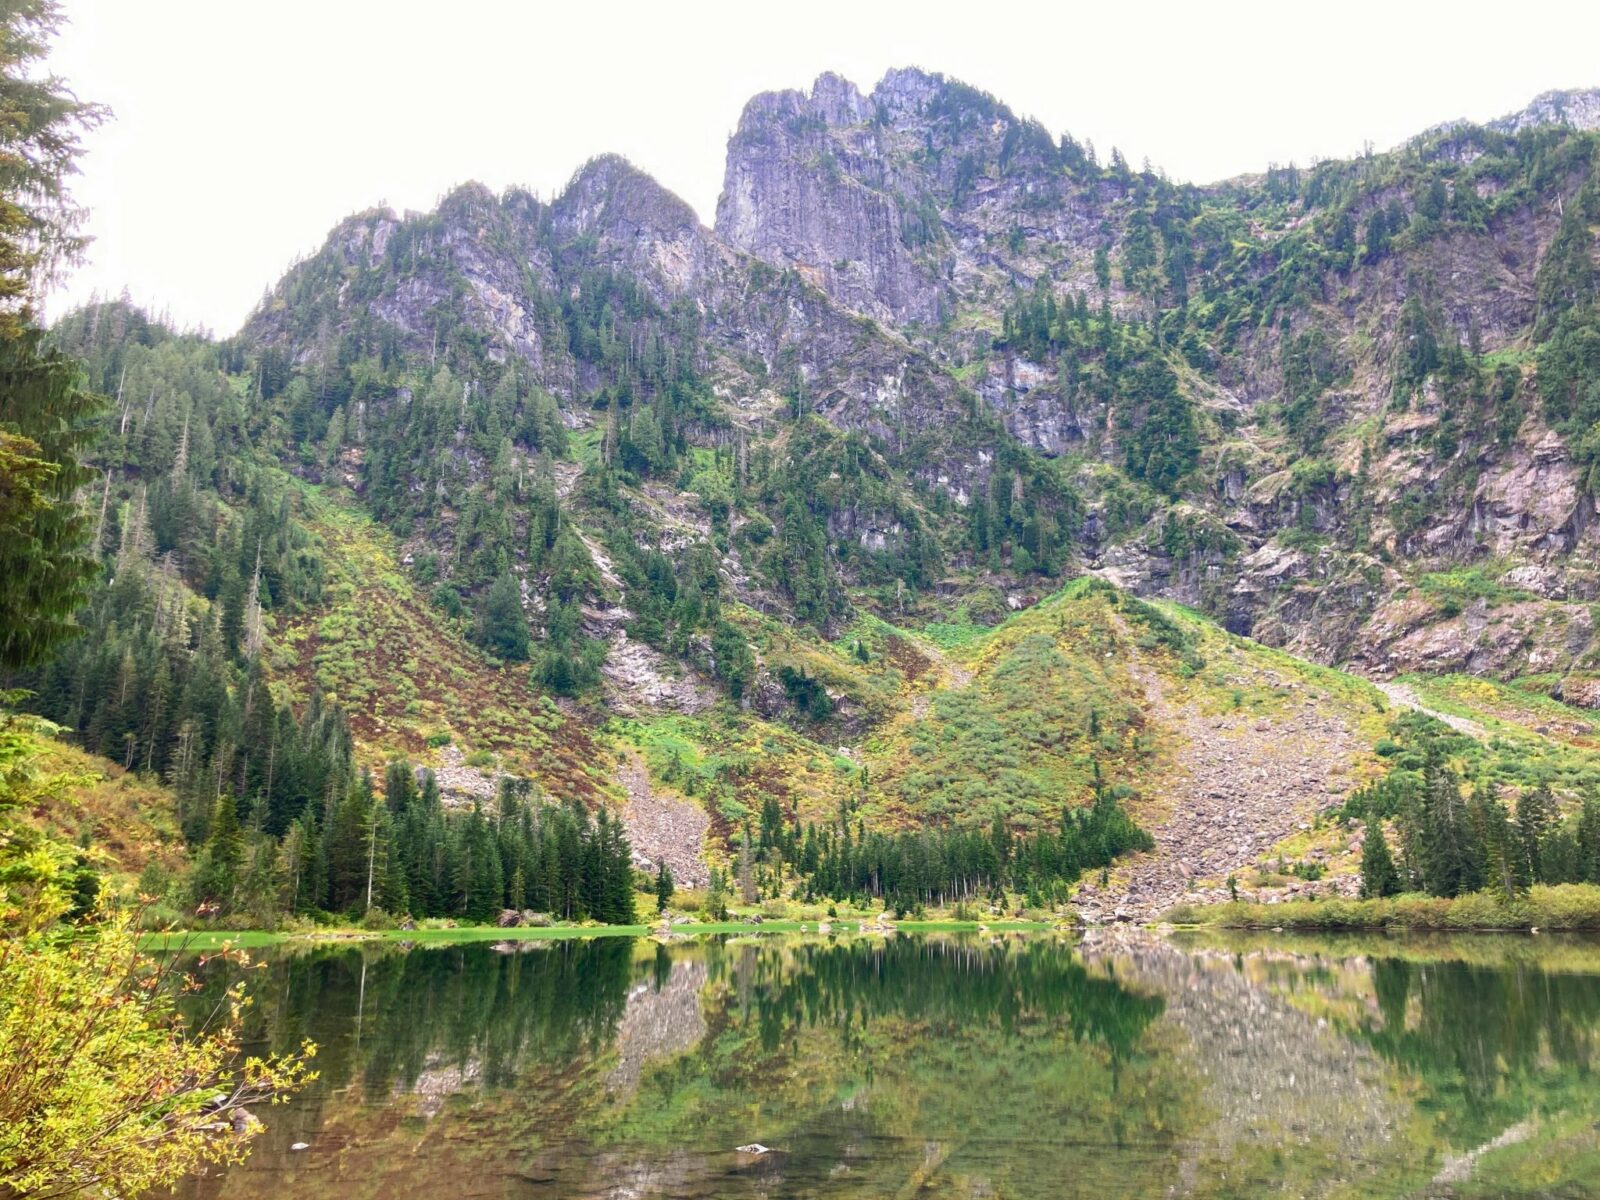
{"x":243,"y":131}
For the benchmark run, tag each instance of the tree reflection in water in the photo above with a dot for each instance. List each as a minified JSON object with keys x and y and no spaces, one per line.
{"x":937,"y":1066}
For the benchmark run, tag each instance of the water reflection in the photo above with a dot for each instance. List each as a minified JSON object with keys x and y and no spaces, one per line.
{"x":934,"y":1067}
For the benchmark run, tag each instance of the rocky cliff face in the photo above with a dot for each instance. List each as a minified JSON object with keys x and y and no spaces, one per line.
{"x":479,"y":261}
{"x":807,"y":186}
{"x":909,"y":203}
{"x":496,"y":269}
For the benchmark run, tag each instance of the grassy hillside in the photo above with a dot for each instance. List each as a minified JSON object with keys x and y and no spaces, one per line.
{"x":124,"y":821}
{"x":406,"y":673}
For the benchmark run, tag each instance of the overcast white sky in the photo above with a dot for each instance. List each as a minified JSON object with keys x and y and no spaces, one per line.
{"x":244,"y":131}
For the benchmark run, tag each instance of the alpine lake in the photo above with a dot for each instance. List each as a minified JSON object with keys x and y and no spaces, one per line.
{"x":1004,"y":1065}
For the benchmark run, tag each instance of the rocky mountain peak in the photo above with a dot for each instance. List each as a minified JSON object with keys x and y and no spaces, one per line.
{"x":983,"y":353}
{"x":811,"y":184}
{"x":1578,"y":108}
{"x":907,"y":90}
{"x":609,"y":191}
{"x":838,"y":101}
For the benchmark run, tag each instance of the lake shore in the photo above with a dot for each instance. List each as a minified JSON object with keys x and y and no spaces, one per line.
{"x":1567,"y":908}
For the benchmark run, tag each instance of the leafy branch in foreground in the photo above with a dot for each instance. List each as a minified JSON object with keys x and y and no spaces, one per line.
{"x":102,"y":1086}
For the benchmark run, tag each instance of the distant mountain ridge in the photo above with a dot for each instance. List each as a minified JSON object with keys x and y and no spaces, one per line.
{"x":1576,"y":108}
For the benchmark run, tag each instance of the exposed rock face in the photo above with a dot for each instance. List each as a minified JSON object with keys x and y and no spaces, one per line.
{"x":663,"y":827}
{"x":903,"y":203}
{"x":1027,"y":395}
{"x":1579,"y":109}
{"x":841,"y":231}
{"x":402,"y":271}
{"x":461,"y":786}
{"x":925,"y":191}
{"x":499,"y":267}
{"x":640,"y":228}
{"x":640,"y":678}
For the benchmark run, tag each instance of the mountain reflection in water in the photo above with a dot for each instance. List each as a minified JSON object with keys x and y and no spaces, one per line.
{"x":938,"y":1066}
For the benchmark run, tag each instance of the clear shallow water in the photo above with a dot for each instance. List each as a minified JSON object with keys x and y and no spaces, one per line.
{"x":935,"y":1067}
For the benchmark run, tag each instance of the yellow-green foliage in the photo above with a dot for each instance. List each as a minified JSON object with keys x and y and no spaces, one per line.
{"x":1563,"y":953}
{"x":102,"y":1087}
{"x":868,"y":688}
{"x":101,"y":1090}
{"x":1049,"y":696}
{"x":404,"y":673}
{"x":1511,"y":710}
{"x":1009,"y":720}
{"x":1530,"y":737}
{"x":729,"y":761}
{"x":1454,"y":590}
{"x":127,"y":820}
{"x":1068,"y":683}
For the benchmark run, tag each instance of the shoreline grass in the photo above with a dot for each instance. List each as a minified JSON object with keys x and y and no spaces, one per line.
{"x":213,"y":939}
{"x":1567,"y":908}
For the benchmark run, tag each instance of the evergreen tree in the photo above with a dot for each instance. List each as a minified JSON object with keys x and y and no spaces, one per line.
{"x":717,"y":895}
{"x":1503,"y":856}
{"x":1379,"y":877}
{"x":664,"y":887}
{"x":1588,"y":842}
{"x":1452,"y":855}
{"x":45,"y":569}
{"x":485,"y":883}
{"x":1535,"y":814}
{"x":40,"y":125}
{"x":44,"y":409}
{"x":216,"y":875}
{"x":503,"y":627}
{"x":347,"y":848}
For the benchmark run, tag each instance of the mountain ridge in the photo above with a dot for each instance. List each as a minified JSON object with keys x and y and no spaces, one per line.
{"x":657,"y":240}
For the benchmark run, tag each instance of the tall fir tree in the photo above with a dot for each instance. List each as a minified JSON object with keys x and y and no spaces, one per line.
{"x":1379,"y":876}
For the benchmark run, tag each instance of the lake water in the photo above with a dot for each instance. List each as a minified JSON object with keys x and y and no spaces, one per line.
{"x":934,"y":1066}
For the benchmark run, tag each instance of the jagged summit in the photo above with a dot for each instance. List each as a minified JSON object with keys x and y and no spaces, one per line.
{"x":838,"y":101}
{"x":1578,"y":108}
{"x":1575,"y":108}
{"x":609,"y":187}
